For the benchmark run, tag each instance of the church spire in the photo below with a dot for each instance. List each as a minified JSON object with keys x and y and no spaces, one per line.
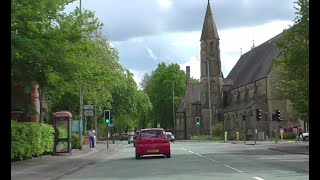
{"x":209,"y":29}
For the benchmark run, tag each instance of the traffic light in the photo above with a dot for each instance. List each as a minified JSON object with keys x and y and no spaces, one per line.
{"x":278,"y":116}
{"x":258,"y":114}
{"x":107,"y":116}
{"x":112,"y":120}
{"x":273,"y":116}
{"x":266,"y":116}
{"x":198,"y":121}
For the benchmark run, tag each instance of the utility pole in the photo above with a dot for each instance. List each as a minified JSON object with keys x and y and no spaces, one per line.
{"x":174,"y":119}
{"x":210,"y":108}
{"x":81,"y":113}
{"x":81,"y":103}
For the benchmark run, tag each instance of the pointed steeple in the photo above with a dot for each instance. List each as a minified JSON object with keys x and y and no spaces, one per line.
{"x":209,"y":29}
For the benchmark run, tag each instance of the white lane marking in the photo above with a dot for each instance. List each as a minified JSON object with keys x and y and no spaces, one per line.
{"x":199,"y":155}
{"x":232,"y":168}
{"x":213,"y":160}
{"x":258,"y":178}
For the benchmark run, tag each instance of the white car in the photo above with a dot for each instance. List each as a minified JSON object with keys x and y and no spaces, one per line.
{"x":170,"y":136}
{"x":305,"y":136}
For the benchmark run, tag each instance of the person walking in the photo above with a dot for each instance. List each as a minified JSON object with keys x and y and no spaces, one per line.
{"x":91,"y":138}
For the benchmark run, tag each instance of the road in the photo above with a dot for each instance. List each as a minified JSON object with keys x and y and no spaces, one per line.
{"x":205,"y":160}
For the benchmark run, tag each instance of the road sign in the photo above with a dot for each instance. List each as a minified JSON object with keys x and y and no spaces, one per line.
{"x":85,"y":107}
{"x":88,"y":112}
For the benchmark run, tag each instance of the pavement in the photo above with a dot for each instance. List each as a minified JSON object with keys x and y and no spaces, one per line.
{"x":190,"y":160}
{"x":54,"y":167}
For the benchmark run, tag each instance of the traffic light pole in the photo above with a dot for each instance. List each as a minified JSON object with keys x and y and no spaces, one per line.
{"x":198,"y":133}
{"x":107,"y":136}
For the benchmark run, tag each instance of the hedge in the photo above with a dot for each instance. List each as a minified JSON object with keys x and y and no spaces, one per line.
{"x":30,"y":139}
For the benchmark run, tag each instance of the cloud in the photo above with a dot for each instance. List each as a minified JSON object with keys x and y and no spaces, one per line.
{"x":140,"y":18}
{"x":194,"y":64}
{"x":165,"y":3}
{"x":151,"y":54}
{"x":184,"y":48}
{"x":137,"y":76}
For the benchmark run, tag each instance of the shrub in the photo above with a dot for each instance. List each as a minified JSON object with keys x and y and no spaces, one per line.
{"x":30,"y":139}
{"x":75,"y":142}
{"x":289,"y":135}
{"x":218,"y":129}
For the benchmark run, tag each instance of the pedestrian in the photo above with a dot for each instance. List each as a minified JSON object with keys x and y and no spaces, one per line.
{"x":300,"y":134}
{"x":91,"y":138}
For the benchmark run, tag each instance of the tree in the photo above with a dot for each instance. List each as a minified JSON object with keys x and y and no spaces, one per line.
{"x":159,"y":88}
{"x":294,"y":61}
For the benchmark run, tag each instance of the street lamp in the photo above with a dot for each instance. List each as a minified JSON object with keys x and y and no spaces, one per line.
{"x":210,"y":107}
{"x":174,"y":119}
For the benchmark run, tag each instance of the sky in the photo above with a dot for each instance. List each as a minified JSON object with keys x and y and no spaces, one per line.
{"x":147,"y":32}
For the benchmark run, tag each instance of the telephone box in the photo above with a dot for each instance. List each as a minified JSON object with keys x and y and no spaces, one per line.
{"x":62,"y":123}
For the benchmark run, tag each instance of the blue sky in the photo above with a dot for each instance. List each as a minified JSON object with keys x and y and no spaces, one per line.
{"x":147,"y":32}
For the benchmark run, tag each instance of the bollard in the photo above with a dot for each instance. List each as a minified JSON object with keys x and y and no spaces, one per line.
{"x":237,"y":136}
{"x":255,"y":136}
{"x":225,"y":136}
{"x":281,"y":134}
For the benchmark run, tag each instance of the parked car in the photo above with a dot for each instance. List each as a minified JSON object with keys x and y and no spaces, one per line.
{"x":135,"y":138}
{"x":170,"y":136}
{"x":152,"y":141}
{"x":124,"y":136}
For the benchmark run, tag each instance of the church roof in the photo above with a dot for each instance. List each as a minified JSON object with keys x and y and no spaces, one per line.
{"x":238,"y":106}
{"x":209,"y":29}
{"x":195,"y":92}
{"x":182,"y":107}
{"x":255,"y":64}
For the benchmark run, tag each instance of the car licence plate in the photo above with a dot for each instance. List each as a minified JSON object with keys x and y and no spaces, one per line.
{"x":153,"y":150}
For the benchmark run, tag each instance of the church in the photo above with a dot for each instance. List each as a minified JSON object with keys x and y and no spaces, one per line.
{"x":234,"y":100}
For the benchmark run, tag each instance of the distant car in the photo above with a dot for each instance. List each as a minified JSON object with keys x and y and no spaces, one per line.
{"x":135,"y":138}
{"x":124,"y":136}
{"x":152,"y":142}
{"x":170,"y":136}
{"x":305,"y":136}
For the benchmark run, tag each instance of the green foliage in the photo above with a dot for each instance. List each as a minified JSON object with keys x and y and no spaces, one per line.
{"x":30,"y":140}
{"x":65,"y":51}
{"x":289,"y":135}
{"x":76,"y":140}
{"x":294,"y":61}
{"x":159,"y":87}
{"x":218,"y":129}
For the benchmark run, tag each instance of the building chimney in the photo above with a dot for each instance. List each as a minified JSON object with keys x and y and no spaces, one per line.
{"x":188,"y":75}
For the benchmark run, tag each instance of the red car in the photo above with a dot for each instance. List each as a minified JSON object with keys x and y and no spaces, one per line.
{"x":152,"y":141}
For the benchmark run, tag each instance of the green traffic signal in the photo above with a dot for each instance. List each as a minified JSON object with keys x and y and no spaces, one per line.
{"x":198,"y":124}
{"x":107,"y":121}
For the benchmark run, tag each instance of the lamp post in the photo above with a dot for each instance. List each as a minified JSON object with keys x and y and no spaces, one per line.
{"x":174,"y":119}
{"x":210,"y":108}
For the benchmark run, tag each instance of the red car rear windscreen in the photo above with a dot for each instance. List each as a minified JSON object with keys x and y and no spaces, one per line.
{"x":152,"y":134}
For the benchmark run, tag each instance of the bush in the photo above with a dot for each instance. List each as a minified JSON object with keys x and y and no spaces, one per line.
{"x":289,"y":135}
{"x":30,"y":139}
{"x":218,"y":129}
{"x":75,"y":140}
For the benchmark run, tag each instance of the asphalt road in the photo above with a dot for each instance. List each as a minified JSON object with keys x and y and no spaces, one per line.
{"x":204,"y":160}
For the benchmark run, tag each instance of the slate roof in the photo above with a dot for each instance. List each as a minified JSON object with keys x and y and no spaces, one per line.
{"x":255,"y":64}
{"x":209,"y":29}
{"x":242,"y":105}
{"x":195,"y":93}
{"x":182,"y":107}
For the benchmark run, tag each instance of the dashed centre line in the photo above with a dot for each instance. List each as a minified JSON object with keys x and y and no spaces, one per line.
{"x":232,"y":168}
{"x":258,"y":178}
